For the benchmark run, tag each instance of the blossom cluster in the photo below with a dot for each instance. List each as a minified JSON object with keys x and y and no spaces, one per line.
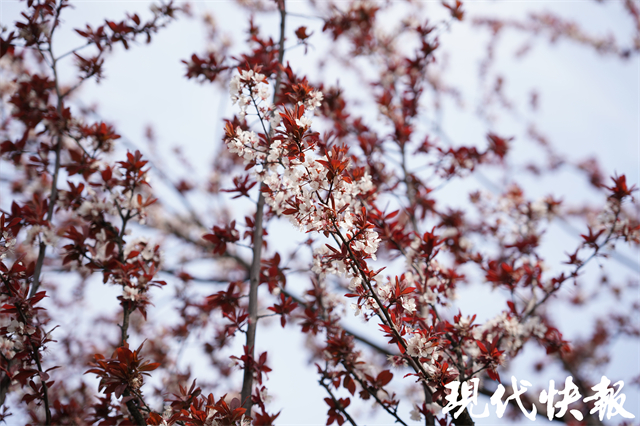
{"x":249,"y":87}
{"x":305,"y":186}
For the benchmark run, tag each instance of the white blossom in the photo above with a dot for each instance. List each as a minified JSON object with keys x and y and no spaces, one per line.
{"x":314,"y":100}
{"x":264,"y":395}
{"x":20,"y":328}
{"x":409,"y":304}
{"x":356,"y":309}
{"x":416,"y":416}
{"x":130,"y":293}
{"x":355,"y":283}
{"x":385,"y":291}
{"x":7,"y":348}
{"x":419,"y":345}
{"x":303,"y":122}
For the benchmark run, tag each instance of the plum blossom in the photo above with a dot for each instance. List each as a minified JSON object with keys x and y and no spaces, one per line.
{"x":245,"y":145}
{"x":133,"y":245}
{"x":368,"y":243}
{"x":130,"y":293}
{"x":416,"y":416}
{"x":20,"y":328}
{"x":46,"y":234}
{"x":9,"y":243}
{"x":303,"y":122}
{"x":245,"y":421}
{"x":7,"y":348}
{"x":463,"y":323}
{"x":355,"y":283}
{"x":385,"y":291}
{"x":397,"y":361}
{"x":409,"y":304}
{"x":256,"y":85}
{"x":314,"y":100}
{"x":419,"y":346}
{"x":356,"y":309}
{"x":264,"y":395}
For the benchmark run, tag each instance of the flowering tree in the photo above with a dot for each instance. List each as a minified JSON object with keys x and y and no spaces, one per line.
{"x":357,"y":191}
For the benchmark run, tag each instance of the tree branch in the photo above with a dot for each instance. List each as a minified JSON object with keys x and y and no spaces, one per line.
{"x":254,"y":272}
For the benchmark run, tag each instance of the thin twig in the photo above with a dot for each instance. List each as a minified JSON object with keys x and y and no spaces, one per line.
{"x":336,"y":403}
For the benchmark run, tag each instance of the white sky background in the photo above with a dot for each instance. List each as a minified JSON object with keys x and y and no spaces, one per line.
{"x":589,"y":105}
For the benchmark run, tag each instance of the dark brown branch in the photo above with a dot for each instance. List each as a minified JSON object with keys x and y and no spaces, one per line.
{"x":134,"y":410}
{"x":254,"y":272}
{"x":254,"y":280}
{"x":54,"y":181}
{"x":126,"y":313}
